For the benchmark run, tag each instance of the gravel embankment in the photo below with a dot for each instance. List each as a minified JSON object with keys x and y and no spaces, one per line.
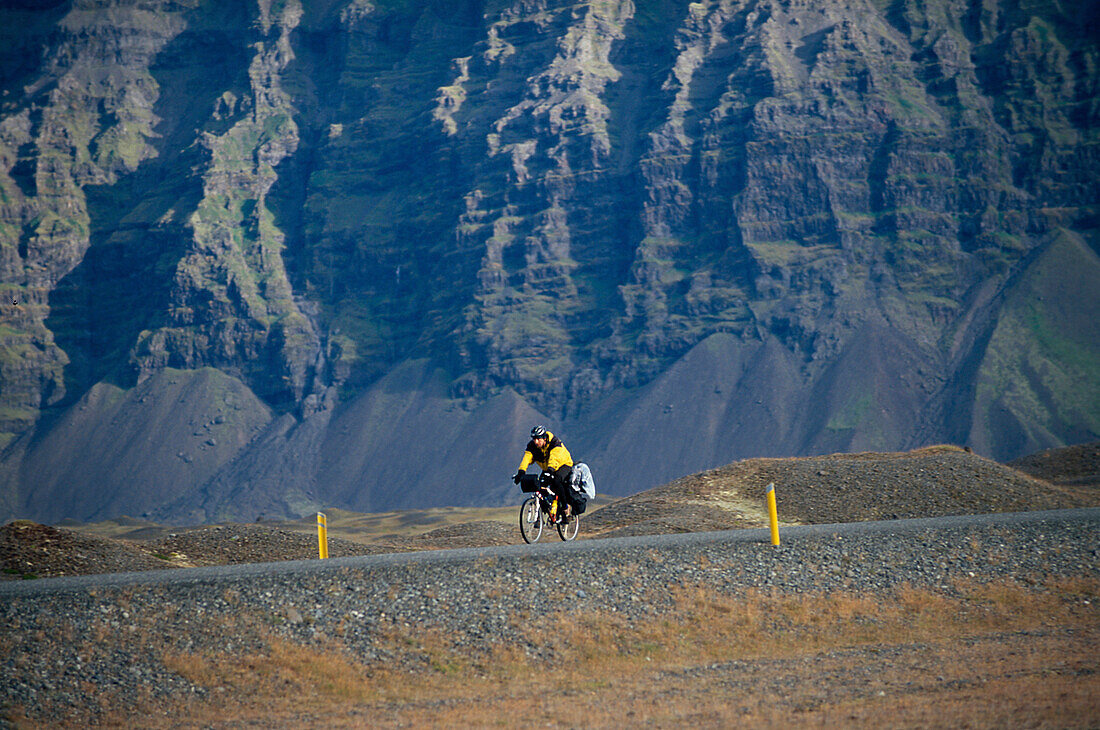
{"x":65,"y":638}
{"x":931,"y":482}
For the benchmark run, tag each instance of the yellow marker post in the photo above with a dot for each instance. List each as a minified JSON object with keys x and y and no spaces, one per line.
{"x":322,"y":534}
{"x":773,"y":514}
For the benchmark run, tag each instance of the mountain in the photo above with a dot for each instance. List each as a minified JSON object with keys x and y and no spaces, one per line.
{"x":260,"y":256}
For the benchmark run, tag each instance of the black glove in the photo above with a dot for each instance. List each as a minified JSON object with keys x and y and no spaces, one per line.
{"x":519,"y":476}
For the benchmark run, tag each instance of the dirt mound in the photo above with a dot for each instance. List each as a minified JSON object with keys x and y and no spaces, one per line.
{"x":936,"y":481}
{"x":251,"y":543}
{"x":1072,"y":466}
{"x":31,"y":550}
{"x":260,"y":543}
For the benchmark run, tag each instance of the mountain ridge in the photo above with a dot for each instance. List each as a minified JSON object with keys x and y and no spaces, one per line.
{"x":409,"y":230}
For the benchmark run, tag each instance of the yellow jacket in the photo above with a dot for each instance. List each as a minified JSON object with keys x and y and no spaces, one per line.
{"x":549,"y":458}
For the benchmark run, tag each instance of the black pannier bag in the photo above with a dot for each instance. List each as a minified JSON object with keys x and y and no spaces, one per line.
{"x":529,"y":483}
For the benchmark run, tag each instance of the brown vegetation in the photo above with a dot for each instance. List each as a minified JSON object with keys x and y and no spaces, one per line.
{"x":978,"y":655}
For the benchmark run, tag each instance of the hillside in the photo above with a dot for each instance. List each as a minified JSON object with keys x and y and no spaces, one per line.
{"x":1074,"y":467}
{"x":930,"y":482}
{"x":258,"y":257}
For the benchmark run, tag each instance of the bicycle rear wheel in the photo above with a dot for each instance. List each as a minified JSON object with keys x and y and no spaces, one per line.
{"x":530,"y":520}
{"x":568,"y":530}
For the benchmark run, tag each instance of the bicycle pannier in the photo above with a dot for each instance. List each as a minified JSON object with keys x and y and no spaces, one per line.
{"x":529,"y":483}
{"x":582,"y":480}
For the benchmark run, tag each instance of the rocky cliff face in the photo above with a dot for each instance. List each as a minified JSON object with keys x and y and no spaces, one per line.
{"x":680,"y":233}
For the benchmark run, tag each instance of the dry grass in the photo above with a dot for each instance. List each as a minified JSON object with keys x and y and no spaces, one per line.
{"x":981,"y":655}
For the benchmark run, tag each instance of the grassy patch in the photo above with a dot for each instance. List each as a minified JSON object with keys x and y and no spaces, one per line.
{"x":907,"y":657}
{"x":852,"y":414}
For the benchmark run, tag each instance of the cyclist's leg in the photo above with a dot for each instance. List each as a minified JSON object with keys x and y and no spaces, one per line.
{"x":560,"y":484}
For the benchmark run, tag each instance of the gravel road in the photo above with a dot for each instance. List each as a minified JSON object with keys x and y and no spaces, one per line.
{"x":63,"y":638}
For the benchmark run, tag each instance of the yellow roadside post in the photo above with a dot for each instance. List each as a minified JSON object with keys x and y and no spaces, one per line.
{"x":322,"y":534}
{"x":773,"y":514}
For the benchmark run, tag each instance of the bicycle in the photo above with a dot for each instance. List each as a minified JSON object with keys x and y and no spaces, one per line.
{"x":543,"y":508}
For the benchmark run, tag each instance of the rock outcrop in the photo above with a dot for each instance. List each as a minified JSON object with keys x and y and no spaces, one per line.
{"x":682,"y":233}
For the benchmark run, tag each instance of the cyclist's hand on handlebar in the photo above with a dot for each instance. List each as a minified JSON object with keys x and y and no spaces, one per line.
{"x":518,"y":477}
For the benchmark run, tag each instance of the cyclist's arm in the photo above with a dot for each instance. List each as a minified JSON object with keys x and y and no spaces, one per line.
{"x":528,"y":457}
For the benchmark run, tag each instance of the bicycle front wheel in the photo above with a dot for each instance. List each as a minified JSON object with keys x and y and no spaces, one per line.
{"x":530,"y":520}
{"x":568,"y":530}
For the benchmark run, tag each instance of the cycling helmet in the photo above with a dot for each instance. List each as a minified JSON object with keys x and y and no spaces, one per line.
{"x":538,"y":432}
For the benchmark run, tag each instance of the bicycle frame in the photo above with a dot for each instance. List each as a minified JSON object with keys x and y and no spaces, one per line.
{"x":548,"y":503}
{"x":549,"y":513}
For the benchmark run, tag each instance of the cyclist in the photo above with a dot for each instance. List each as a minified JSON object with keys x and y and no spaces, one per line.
{"x":547,"y":450}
